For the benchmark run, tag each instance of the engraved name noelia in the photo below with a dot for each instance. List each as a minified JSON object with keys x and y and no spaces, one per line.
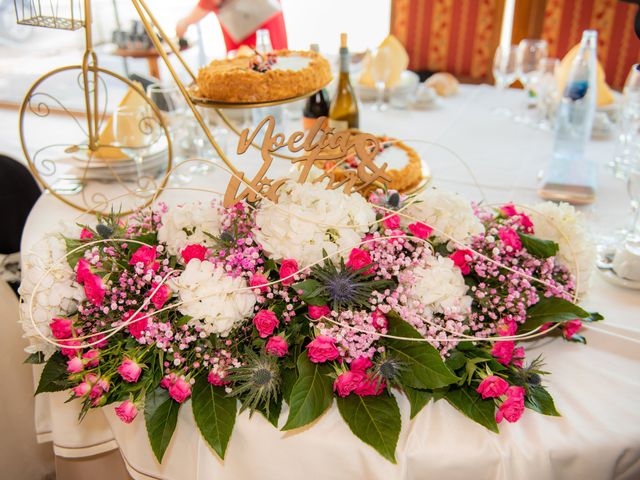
{"x":318,"y":145}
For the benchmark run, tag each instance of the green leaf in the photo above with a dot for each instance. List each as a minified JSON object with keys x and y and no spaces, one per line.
{"x":456,"y":360}
{"x":539,"y":400}
{"x":470,"y":403}
{"x":312,"y":292}
{"x":275,"y":407}
{"x":375,"y":420}
{"x":424,"y":366}
{"x":289,"y":378}
{"x":54,"y":376}
{"x":417,"y":399}
{"x":35,"y":358}
{"x":555,"y":310}
{"x":311,"y":395}
{"x":161,"y":416}
{"x":214,"y":413}
{"x":538,"y":247}
{"x":72,"y":244}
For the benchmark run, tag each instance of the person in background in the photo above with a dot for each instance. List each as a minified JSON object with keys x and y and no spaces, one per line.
{"x":274,"y":24}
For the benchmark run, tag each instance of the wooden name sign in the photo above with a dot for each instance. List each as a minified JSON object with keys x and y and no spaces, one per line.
{"x":317,"y":145}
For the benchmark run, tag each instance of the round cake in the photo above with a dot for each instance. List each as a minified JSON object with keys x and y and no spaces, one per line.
{"x":403,"y":164}
{"x":275,"y":76}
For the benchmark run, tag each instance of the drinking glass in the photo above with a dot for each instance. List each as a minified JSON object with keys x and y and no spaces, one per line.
{"x":627,"y":149}
{"x":504,"y":66}
{"x":546,"y":86}
{"x":529,"y":57}
{"x":133,"y":131}
{"x":633,"y":189}
{"x":381,"y":73}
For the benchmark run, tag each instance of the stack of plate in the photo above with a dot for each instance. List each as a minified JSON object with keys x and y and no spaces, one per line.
{"x":85,"y":166}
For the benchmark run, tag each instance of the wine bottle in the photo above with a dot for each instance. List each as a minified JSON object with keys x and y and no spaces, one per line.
{"x":343,"y":113}
{"x":317,"y":104}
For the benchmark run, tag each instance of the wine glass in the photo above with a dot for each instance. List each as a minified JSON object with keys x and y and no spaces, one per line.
{"x":546,"y":86}
{"x":504,"y":66}
{"x":381,"y":74}
{"x":627,"y":150}
{"x":133,"y":131}
{"x":633,"y":189}
{"x":529,"y":56}
{"x":173,"y":109}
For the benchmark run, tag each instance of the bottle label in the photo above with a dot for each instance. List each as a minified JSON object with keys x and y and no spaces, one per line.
{"x":338,"y":125}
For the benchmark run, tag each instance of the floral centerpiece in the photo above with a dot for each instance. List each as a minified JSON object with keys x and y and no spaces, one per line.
{"x":320,"y":296}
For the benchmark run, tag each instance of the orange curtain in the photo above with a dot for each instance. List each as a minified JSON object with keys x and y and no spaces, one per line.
{"x":457,"y":36}
{"x":618,"y":46}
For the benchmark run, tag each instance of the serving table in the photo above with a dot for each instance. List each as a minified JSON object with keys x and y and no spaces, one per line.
{"x":487,"y":157}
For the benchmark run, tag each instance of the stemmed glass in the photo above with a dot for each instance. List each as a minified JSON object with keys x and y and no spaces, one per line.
{"x":133,"y":131}
{"x":381,"y":73}
{"x":546,"y":86}
{"x":627,"y":150}
{"x":173,"y":108}
{"x":530,"y":55}
{"x":504,"y":71}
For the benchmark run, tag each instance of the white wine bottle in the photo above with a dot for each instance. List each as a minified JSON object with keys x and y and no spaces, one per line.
{"x":343,"y":113}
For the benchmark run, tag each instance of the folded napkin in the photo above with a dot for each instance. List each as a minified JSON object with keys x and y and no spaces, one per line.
{"x":605,"y":96}
{"x":131,"y":99}
{"x":399,"y":59}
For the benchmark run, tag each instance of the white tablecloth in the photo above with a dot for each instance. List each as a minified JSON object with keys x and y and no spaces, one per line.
{"x":596,"y":387}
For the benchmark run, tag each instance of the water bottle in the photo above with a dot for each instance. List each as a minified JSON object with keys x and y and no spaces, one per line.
{"x":570,"y":175}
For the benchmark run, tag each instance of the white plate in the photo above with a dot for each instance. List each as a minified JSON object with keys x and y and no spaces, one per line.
{"x":611,"y":277}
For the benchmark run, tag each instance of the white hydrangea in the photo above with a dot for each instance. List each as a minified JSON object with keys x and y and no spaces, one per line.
{"x":186,"y":224}
{"x":439,"y":286}
{"x":449,"y":214}
{"x":57,"y":294}
{"x":308,"y":219}
{"x":563,"y":224}
{"x":210,"y":297}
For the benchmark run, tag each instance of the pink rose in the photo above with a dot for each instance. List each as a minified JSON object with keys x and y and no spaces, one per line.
{"x":61,"y":328}
{"x":518,"y":357}
{"x":168,"y":380}
{"x":98,"y":389}
{"x":508,"y":210}
{"x":347,"y":382}
{"x":370,"y":386}
{"x":510,"y":238}
{"x":86,"y":234}
{"x":75,"y":365}
{"x":398,"y":236}
{"x":503,"y":351}
{"x":180,"y":390}
{"x":358,"y":259}
{"x":526,"y":223}
{"x":322,"y":348}
{"x":194,"y":251}
{"x":513,"y":407}
{"x":391,"y":222}
{"x":258,"y":280}
{"x":147,"y":256}
{"x":69,"y":352}
{"x":380,"y":321}
{"x":137,"y":323}
{"x":277,"y":346}
{"x":461,"y":259}
{"x":318,"y":312}
{"x":83,"y":270}
{"x":266,"y":322}
{"x":361,"y":364}
{"x":81,"y":389}
{"x":507,"y":327}
{"x":570,"y":328}
{"x":129,"y":370}
{"x":288,"y":269}
{"x":161,"y":296}
{"x":127,"y":411}
{"x":215,"y":379}
{"x":420,"y":230}
{"x":94,"y":289}
{"x":91,"y":358}
{"x":492,"y":387}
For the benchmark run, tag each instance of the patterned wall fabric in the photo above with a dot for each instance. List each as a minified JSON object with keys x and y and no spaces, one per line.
{"x":618,"y":46}
{"x":458,"y":36}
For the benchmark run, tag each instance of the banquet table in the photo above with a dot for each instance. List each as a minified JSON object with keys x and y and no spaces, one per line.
{"x":486,"y":157}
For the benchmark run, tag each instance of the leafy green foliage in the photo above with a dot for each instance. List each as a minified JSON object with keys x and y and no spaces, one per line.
{"x":54,"y":375}
{"x":417,"y":399}
{"x":539,"y":400}
{"x":470,"y":403}
{"x":538,"y":247}
{"x":375,"y":420}
{"x":214,"y":413}
{"x":161,"y":416}
{"x":311,"y":395}
{"x":555,"y":310}
{"x":35,"y":358}
{"x":424,"y":366}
